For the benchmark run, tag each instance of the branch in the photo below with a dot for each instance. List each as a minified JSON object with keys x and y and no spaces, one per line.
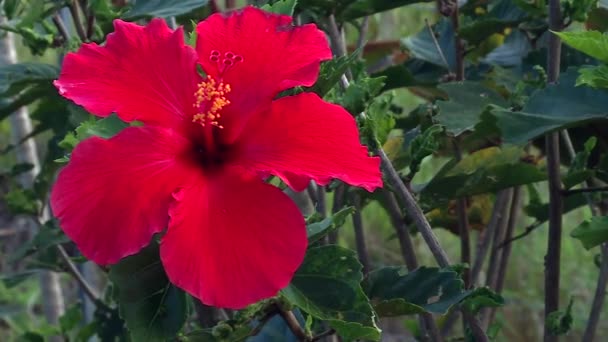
{"x":463,"y":225}
{"x":73,"y":270}
{"x":292,"y":323}
{"x":556,"y":206}
{"x":74,"y":7}
{"x":359,"y":235}
{"x":413,"y":210}
{"x":323,"y":334}
{"x":60,"y":27}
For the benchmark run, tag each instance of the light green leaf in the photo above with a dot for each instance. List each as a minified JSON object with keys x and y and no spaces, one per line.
{"x":592,"y":232}
{"x":593,"y":43}
{"x":593,"y":76}
{"x":285,"y":7}
{"x":318,"y":230}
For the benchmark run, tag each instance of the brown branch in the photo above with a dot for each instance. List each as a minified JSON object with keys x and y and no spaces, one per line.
{"x":73,"y":270}
{"x":326,"y":333}
{"x":359,"y":234}
{"x":556,"y":206}
{"x":293,"y":324}
{"x":337,"y":204}
{"x":61,"y":27}
{"x":74,"y":7}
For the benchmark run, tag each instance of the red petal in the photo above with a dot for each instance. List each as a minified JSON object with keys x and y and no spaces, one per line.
{"x":233,"y":240}
{"x":141,"y":73}
{"x":114,"y":194}
{"x":275,"y":56}
{"x":306,"y":136}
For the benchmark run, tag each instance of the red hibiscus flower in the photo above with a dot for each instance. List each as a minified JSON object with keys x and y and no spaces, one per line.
{"x":196,"y":166}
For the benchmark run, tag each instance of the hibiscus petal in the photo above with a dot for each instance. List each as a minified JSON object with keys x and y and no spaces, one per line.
{"x":233,"y":240}
{"x":141,"y":73}
{"x":305,"y":136}
{"x":275,"y":56}
{"x":114,"y":194}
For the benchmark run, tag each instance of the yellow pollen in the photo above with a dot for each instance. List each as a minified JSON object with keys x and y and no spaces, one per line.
{"x":210,"y":95}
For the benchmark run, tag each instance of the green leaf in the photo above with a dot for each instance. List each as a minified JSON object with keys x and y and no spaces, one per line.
{"x":423,"y":47}
{"x":479,"y":30}
{"x":399,"y":76}
{"x":593,"y":76}
{"x":560,"y":322}
{"x":71,"y":318}
{"x":482,"y":297}
{"x":153,"y":309}
{"x":49,"y":235}
{"x":593,"y":43}
{"x":578,"y":172}
{"x":14,"y":279}
{"x":285,"y":7}
{"x":558,"y":106}
{"x":22,"y":201}
{"x":15,"y":77}
{"x":327,"y":286}
{"x":163,"y":8}
{"x":395,"y":291}
{"x":331,"y":71}
{"x":104,"y":128}
{"x":486,"y":170}
{"x":360,"y":93}
{"x":318,"y":230}
{"x":424,"y":145}
{"x":467,"y":101}
{"x":592,"y":232}
{"x":361,"y":8}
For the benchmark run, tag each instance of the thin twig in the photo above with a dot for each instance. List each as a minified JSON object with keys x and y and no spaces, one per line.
{"x":73,"y":270}
{"x":293,"y":324}
{"x":230,"y":4}
{"x":427,"y":322}
{"x":529,"y":229}
{"x":321,"y":201}
{"x":556,"y":206}
{"x":463,"y":226}
{"x":458,"y":43}
{"x":506,"y":252}
{"x":337,"y":205}
{"x":413,"y":210}
{"x":74,"y":7}
{"x":90,"y":14}
{"x":326,"y":333}
{"x":585,"y":190}
{"x":361,"y":40}
{"x":359,"y":235}
{"x":61,"y":27}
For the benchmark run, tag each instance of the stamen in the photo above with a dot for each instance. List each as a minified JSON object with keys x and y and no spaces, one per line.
{"x":224,"y":64}
{"x":210,"y":97}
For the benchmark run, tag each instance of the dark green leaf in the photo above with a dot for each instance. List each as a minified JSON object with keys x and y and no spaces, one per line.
{"x":422,"y":45}
{"x":331,"y":71}
{"x":14,"y":77}
{"x":361,"y":8}
{"x":22,"y":201}
{"x":104,"y":128}
{"x":479,"y":30}
{"x":467,"y":101}
{"x":483,"y":171}
{"x":285,"y":7}
{"x":396,"y":292}
{"x":557,"y":106}
{"x":12,"y":280}
{"x":400,"y":76}
{"x":592,"y":232}
{"x":163,"y":8}
{"x":578,"y":172}
{"x":424,"y":145}
{"x":49,"y":235}
{"x":327,"y":286}
{"x":153,"y":309}
{"x":318,"y":230}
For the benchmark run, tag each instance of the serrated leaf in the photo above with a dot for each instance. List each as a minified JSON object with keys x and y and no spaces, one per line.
{"x":331,"y":71}
{"x":593,"y":43}
{"x":560,"y":322}
{"x":395,"y":291}
{"x":327,"y":286}
{"x":593,"y":76}
{"x":163,"y":8}
{"x":318,"y":230}
{"x":285,"y":7}
{"x":22,"y":201}
{"x":104,"y":128}
{"x":592,"y":232}
{"x":153,"y":309}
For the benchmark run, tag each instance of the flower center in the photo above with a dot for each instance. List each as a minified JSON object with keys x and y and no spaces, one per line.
{"x":210,"y":99}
